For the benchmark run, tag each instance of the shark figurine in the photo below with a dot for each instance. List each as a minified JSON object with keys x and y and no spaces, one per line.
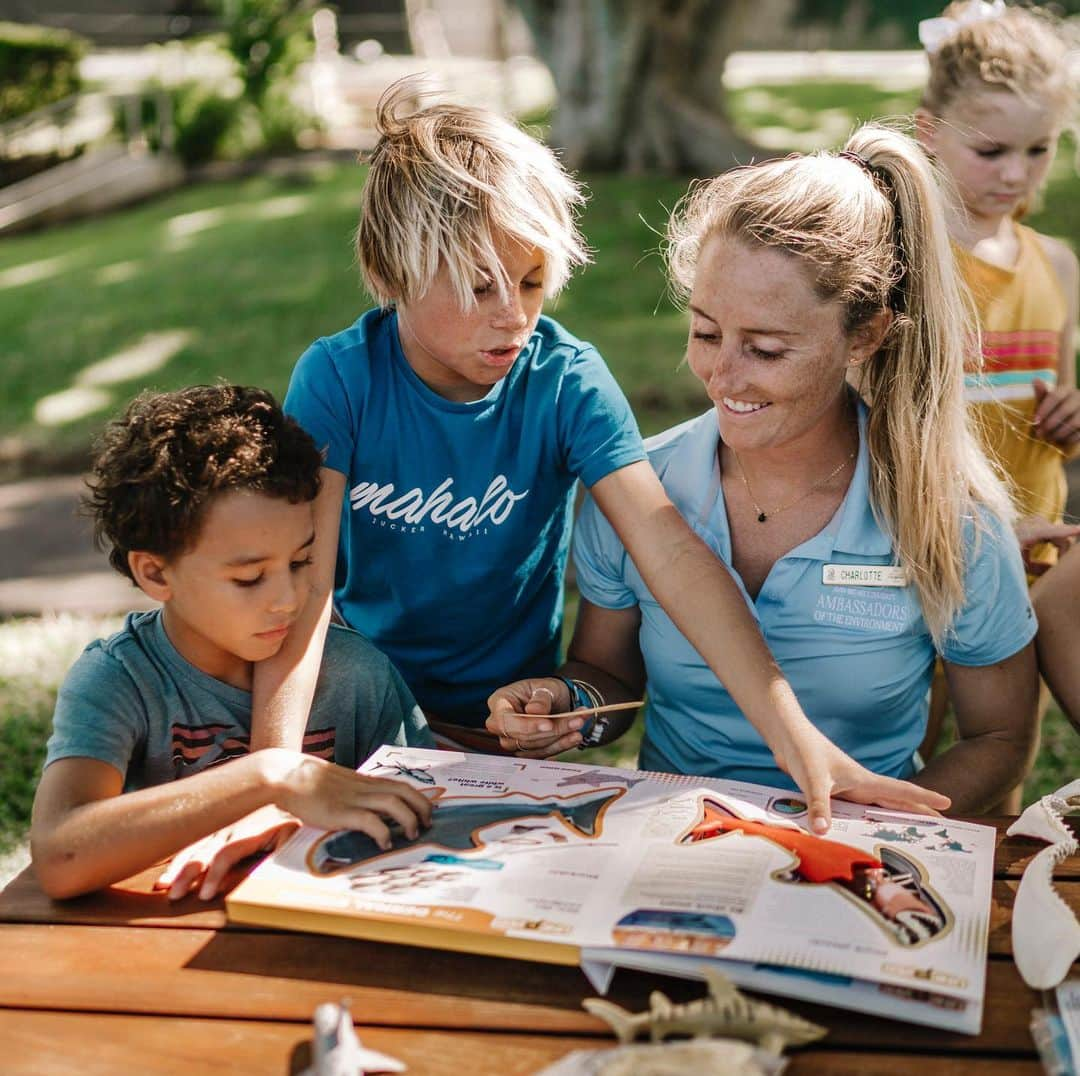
{"x":723,"y":1011}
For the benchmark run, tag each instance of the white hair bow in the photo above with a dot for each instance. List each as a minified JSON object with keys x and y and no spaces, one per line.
{"x":933,"y":33}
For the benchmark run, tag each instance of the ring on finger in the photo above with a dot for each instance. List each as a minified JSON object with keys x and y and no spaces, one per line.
{"x":517,"y":744}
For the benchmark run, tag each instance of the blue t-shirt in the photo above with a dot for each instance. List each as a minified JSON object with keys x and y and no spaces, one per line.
{"x":133,"y":701}
{"x":456,"y":522}
{"x":859,"y":658}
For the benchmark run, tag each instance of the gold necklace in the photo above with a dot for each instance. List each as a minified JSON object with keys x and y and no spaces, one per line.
{"x":762,"y":515}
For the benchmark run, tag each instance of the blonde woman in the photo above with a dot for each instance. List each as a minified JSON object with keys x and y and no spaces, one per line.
{"x":866,"y":530}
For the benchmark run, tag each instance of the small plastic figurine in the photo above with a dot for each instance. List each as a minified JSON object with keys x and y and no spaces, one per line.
{"x":336,"y":1051}
{"x":723,"y":1011}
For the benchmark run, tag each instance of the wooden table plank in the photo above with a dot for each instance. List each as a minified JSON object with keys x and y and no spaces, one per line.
{"x":282,"y":976}
{"x":66,"y":1044}
{"x":1001,"y":908}
{"x":1013,"y":854}
{"x":132,"y":902}
{"x":269,"y":976}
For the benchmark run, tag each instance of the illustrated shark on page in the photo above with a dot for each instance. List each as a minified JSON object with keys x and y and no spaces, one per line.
{"x":457,"y":824}
{"x":600,"y":779}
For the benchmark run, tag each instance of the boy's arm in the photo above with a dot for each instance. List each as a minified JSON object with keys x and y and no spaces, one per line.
{"x":284,"y":684}
{"x":85,"y":834}
{"x":996,"y":710}
{"x":698,"y":593}
{"x":1056,"y":597}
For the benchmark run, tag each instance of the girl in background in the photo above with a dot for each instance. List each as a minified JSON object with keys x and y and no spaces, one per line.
{"x":1000,"y":92}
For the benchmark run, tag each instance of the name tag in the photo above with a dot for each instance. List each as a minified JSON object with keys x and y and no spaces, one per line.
{"x":864,"y":575}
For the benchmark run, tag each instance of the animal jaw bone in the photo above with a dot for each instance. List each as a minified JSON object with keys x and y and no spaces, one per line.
{"x":1045,"y":932}
{"x":724,"y":1011}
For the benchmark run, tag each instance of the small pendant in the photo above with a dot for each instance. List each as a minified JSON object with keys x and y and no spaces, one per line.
{"x":762,"y":517}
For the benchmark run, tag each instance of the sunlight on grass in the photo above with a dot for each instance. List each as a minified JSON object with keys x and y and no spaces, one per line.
{"x":289,"y":205}
{"x":85,"y":397}
{"x":70,"y":405}
{"x":189,"y":224}
{"x":117,"y":273}
{"x":35,"y":272}
{"x":149,"y":355}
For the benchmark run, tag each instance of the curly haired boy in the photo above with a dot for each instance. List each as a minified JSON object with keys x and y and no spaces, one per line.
{"x":204,"y":499}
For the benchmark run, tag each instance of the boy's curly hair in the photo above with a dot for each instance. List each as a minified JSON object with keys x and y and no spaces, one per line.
{"x":159,"y":465}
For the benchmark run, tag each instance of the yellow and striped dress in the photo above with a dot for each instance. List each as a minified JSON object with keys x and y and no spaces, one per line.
{"x":1022,"y":313}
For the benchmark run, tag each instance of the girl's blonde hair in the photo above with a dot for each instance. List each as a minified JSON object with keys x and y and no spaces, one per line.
{"x":870,"y":230}
{"x":446,"y":184}
{"x":1026,"y":50}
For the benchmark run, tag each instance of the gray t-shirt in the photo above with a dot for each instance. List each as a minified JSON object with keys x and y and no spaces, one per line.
{"x":132,"y":701}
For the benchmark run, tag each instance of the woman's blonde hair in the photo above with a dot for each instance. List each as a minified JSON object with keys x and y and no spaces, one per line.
{"x":446,"y":184}
{"x":1029,"y":51}
{"x":870,"y":230}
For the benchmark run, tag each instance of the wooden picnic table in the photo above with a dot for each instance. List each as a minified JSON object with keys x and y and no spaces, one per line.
{"x":124,"y":982}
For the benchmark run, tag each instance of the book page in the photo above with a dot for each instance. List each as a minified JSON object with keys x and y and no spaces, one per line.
{"x":543,"y":853}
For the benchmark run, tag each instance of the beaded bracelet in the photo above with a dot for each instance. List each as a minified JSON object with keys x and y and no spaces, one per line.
{"x":592,"y":733}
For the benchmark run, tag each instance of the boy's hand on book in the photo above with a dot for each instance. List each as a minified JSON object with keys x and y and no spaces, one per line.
{"x":539,"y":736}
{"x":206,"y":863}
{"x":323,"y":794}
{"x":822,"y":770}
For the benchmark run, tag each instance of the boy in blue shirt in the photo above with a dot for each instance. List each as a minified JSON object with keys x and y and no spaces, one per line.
{"x":455,"y":422}
{"x":204,"y":497}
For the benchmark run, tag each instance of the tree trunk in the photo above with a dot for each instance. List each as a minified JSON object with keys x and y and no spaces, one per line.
{"x":639,"y":82}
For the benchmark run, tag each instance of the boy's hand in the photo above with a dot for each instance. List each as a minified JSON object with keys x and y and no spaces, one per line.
{"x":821,"y":770}
{"x":1057,"y":413}
{"x":1034,"y":530}
{"x":328,"y":796}
{"x":207,"y":862}
{"x":539,"y":736}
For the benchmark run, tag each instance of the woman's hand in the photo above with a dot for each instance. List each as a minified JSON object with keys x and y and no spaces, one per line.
{"x":821,"y":770}
{"x":539,"y":736}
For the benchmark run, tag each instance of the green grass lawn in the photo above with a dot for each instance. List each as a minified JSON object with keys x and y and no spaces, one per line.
{"x":235,"y":279}
{"x":34,"y":656}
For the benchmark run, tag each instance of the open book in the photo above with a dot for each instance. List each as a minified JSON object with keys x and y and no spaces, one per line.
{"x":578,"y":864}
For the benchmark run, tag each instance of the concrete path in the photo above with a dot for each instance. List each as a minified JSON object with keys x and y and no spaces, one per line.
{"x":48,"y":562}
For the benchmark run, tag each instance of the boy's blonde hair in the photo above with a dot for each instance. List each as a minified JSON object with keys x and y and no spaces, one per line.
{"x":1026,"y":50}
{"x":449,"y":182}
{"x":870,"y":230}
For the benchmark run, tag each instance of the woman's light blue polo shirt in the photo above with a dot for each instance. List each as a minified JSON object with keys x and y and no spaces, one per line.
{"x":859,"y":658}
